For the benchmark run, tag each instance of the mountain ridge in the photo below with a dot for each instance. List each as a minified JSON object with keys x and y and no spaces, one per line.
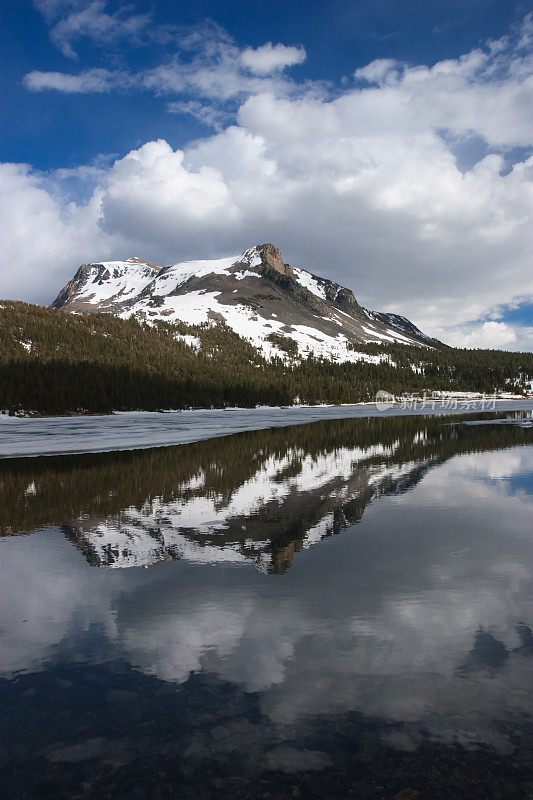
{"x":278,"y":308}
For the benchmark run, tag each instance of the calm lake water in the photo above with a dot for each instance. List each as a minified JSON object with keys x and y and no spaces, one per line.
{"x":331,"y":610}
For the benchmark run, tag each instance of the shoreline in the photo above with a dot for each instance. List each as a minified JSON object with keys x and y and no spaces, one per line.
{"x":444,"y":398}
{"x":31,"y":437}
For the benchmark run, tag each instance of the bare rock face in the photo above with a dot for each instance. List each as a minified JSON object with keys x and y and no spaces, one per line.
{"x":271,"y":257}
{"x":345,"y":299}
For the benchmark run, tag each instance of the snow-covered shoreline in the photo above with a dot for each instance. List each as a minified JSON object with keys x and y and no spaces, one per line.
{"x":428,"y":400}
{"x":132,"y":430}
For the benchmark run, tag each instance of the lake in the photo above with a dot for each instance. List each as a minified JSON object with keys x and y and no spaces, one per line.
{"x":129,"y":430}
{"x":336,"y":609}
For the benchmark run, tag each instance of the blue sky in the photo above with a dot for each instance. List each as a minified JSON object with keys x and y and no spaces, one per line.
{"x":387,"y":145}
{"x":338,"y":36}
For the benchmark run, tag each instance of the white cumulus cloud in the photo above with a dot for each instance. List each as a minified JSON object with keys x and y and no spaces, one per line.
{"x":151,"y":192}
{"x":43,"y":236}
{"x":490,"y":334}
{"x":269,"y":57}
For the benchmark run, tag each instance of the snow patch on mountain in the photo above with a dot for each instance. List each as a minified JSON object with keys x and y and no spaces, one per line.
{"x":178,"y":274}
{"x":108,"y":281}
{"x":309,"y":282}
{"x":189,"y":340}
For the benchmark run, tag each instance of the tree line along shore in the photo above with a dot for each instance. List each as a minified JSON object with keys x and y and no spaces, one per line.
{"x":53,"y":362}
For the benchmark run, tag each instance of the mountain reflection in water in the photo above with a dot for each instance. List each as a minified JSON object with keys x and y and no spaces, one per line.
{"x":394,"y":658}
{"x":257,"y":497}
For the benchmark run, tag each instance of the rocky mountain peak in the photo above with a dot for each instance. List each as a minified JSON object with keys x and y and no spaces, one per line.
{"x":271,"y":258}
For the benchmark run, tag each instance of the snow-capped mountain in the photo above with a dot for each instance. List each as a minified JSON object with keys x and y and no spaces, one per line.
{"x":280,"y":309}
